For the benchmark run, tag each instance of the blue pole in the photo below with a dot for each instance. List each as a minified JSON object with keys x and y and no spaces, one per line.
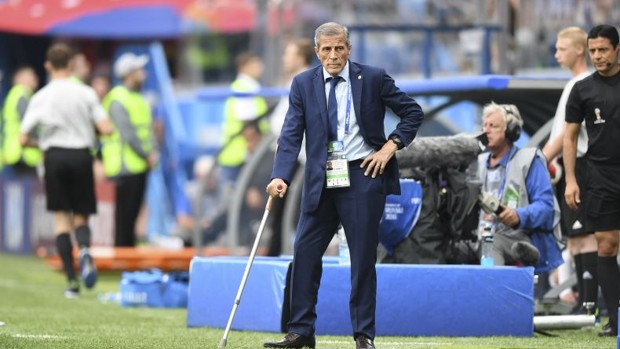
{"x":427,"y":48}
{"x":485,"y":61}
{"x":362,"y":46}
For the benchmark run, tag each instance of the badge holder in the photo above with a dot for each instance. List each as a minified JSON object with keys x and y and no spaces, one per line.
{"x":337,"y":167}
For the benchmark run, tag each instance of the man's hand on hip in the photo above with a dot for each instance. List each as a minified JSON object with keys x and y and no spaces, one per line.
{"x":376,"y":162}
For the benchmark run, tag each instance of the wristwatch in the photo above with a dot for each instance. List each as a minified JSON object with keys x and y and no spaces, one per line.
{"x":399,"y":143}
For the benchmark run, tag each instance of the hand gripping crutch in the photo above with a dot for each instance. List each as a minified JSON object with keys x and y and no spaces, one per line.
{"x":248,"y":266}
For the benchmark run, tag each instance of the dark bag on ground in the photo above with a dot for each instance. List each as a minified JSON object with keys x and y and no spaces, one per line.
{"x":154,"y":288}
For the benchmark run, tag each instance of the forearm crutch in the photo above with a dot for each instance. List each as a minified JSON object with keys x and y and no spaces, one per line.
{"x":248,"y":266}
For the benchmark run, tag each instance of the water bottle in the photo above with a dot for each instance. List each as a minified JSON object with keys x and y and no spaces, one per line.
{"x":344,"y":258}
{"x":486,"y":240}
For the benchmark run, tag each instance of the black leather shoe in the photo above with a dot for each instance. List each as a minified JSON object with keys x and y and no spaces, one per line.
{"x":363,"y":342}
{"x":294,"y":340}
{"x":609,"y":330}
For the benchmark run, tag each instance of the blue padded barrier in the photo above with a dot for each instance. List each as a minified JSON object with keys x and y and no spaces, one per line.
{"x":412,"y":300}
{"x":213,"y":286}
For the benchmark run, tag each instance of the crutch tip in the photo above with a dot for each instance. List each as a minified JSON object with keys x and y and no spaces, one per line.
{"x":222,"y":343}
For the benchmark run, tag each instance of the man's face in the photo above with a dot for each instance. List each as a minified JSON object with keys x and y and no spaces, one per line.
{"x":101,"y":85}
{"x":291,"y":59}
{"x":603,"y":55}
{"x":137,"y":78}
{"x":80,"y":67}
{"x":252,"y":138}
{"x":333,"y":53}
{"x":494,"y":126}
{"x":254,"y":68}
{"x":566,"y":53}
{"x":29,"y":79}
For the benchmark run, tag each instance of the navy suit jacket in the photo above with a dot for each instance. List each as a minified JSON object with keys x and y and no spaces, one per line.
{"x":372,"y":90}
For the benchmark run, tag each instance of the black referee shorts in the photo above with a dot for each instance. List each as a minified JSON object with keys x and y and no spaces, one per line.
{"x":573,"y":223}
{"x":603,"y":204}
{"x":69,"y":180}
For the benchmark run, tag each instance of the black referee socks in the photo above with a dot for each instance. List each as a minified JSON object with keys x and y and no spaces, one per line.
{"x":589,"y":292}
{"x":609,"y":279}
{"x":65,"y":251}
{"x":82,"y":235}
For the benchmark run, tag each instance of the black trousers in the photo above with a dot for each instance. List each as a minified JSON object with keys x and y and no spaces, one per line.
{"x":129,"y":197}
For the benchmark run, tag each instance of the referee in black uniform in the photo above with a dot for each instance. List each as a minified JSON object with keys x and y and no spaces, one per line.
{"x":596,"y":99}
{"x":66,"y":114}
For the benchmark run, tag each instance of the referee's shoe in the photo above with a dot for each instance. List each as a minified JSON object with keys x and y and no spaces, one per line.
{"x":87,"y":268}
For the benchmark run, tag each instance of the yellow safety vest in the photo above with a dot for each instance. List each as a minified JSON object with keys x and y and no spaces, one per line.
{"x":235,"y":146}
{"x":118,"y":156}
{"x":12,"y":150}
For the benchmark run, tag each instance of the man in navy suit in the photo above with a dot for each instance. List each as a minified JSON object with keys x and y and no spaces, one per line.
{"x":346,"y":128}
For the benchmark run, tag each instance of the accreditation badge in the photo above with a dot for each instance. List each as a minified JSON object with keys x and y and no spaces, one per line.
{"x":511,"y":199}
{"x":337,"y":167}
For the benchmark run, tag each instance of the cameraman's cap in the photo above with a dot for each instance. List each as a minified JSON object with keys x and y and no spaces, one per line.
{"x":129,"y":62}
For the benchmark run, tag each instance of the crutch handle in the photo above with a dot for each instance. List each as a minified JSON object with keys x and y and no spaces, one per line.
{"x":279,"y":188}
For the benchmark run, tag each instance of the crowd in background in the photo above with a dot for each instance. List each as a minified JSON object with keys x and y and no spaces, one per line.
{"x":523,"y":34}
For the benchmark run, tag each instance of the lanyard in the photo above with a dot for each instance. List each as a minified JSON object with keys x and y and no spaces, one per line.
{"x":347,"y":117}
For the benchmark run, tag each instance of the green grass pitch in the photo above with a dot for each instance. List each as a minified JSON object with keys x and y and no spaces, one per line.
{"x":36,"y":315}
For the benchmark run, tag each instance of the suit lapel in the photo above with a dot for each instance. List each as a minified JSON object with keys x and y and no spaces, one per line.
{"x":319,"y":92}
{"x":356,"y":77}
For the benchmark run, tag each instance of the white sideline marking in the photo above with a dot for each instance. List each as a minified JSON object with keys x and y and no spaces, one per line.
{"x":37,"y":336}
{"x":415,"y":344}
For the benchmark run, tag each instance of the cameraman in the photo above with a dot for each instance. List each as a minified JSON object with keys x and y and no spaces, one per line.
{"x":518,"y":178}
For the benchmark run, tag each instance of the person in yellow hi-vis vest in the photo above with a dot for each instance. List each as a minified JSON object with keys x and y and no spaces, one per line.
{"x":237,"y":111}
{"x":18,"y":160}
{"x":129,"y":153}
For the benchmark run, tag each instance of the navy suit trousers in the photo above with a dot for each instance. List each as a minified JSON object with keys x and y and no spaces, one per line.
{"x":359,"y":208}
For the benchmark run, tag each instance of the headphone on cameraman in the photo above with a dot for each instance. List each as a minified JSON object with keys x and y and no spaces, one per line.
{"x":513,"y":129}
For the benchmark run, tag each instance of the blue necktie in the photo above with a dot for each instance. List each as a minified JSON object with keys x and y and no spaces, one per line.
{"x":332,"y":109}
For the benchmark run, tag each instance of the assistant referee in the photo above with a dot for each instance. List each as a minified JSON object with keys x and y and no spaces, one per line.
{"x":66,"y":114}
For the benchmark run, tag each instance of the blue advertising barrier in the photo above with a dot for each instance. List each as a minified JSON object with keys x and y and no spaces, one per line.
{"x":16,"y":212}
{"x":412,"y":300}
{"x":401,"y":213}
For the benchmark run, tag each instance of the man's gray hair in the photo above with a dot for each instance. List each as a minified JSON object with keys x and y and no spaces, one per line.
{"x":331,"y":29}
{"x":510,"y":112}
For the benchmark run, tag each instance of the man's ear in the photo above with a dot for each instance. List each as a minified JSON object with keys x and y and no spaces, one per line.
{"x":580,"y":51}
